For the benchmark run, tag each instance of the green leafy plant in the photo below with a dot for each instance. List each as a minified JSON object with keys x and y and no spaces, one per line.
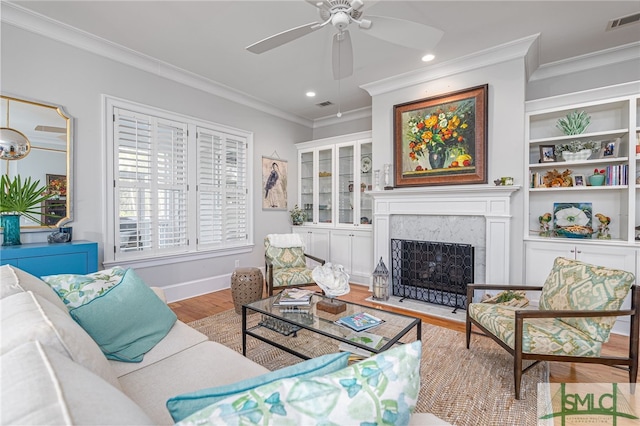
{"x":577,"y":146}
{"x":298,"y":216}
{"x":574,"y":123}
{"x":23,"y":197}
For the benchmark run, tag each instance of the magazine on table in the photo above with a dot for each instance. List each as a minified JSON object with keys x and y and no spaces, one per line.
{"x":372,"y":340}
{"x":360,"y":321}
{"x":294,"y":296}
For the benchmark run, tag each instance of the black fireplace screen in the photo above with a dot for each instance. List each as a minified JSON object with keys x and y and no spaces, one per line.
{"x":431,"y":271}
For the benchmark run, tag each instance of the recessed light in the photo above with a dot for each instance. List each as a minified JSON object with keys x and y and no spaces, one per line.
{"x":310,"y":94}
{"x":427,"y":58}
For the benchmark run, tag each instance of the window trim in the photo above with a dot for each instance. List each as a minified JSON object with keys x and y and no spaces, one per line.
{"x":109,"y":104}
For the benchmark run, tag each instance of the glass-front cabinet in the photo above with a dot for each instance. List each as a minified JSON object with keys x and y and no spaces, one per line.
{"x":354,"y":178}
{"x":316,"y":184}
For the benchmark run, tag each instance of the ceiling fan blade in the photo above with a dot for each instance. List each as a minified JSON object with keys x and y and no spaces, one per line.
{"x":342,"y":55}
{"x":282,"y":38}
{"x":403,"y":33}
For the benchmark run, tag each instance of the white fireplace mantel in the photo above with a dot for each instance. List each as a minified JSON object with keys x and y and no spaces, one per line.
{"x":491,"y":202}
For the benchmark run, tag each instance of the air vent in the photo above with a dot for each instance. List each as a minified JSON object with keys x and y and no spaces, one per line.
{"x":624,"y":21}
{"x":324,"y":104}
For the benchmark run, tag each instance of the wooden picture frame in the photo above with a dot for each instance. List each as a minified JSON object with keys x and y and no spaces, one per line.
{"x":547,"y":153}
{"x":610,"y":149}
{"x":274,"y":183}
{"x":442,"y":140}
{"x":579,"y":180}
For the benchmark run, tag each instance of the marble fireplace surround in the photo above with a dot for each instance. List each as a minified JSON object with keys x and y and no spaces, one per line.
{"x":493,"y":203}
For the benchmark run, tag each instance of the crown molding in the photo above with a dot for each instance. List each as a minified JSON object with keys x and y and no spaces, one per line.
{"x":607,"y":57}
{"x":28,"y":20}
{"x":505,"y":52}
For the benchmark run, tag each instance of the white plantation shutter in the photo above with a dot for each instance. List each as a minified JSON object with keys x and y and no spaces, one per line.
{"x":151,"y":183}
{"x":222,"y":189}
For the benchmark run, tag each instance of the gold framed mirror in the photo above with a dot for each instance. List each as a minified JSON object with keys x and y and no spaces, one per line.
{"x":48,"y":128}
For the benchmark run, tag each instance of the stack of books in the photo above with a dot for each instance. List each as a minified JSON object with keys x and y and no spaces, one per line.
{"x":360,"y":321}
{"x":294,"y":297}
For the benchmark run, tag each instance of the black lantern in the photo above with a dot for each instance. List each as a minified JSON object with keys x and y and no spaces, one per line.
{"x":381,"y":282}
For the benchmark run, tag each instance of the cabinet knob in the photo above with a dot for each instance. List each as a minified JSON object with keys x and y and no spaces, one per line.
{"x":572,"y":251}
{"x":579,"y":251}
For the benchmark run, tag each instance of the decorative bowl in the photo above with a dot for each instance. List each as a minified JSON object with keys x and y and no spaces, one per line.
{"x":574,"y":231}
{"x":576,"y":156}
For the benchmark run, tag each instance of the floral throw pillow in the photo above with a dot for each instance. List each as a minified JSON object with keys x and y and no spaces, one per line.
{"x":77,"y":290}
{"x":380,"y":390}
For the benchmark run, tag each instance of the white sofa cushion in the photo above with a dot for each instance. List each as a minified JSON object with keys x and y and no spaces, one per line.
{"x":205,"y":365}
{"x":43,"y":387}
{"x":179,"y":338}
{"x":28,"y":317}
{"x":15,"y":280}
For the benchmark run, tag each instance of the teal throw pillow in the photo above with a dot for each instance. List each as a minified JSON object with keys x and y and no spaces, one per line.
{"x":126,"y":321}
{"x":380,"y":390}
{"x":75,"y":290}
{"x":184,"y":405}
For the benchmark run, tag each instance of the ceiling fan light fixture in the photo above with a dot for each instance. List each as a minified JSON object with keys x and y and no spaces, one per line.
{"x":428,"y":57}
{"x":365,"y":24}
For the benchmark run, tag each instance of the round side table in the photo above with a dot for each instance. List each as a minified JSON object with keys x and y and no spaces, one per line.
{"x":246,"y":286}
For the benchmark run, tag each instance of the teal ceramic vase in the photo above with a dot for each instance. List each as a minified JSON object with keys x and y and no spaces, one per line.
{"x":596,"y":180}
{"x":11,"y":233}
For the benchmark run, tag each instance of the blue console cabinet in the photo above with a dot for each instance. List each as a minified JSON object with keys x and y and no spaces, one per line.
{"x":39,"y":259}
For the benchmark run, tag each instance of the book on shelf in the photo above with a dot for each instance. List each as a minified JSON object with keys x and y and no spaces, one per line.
{"x":360,"y":321}
{"x":372,"y":340}
{"x":293,"y":297}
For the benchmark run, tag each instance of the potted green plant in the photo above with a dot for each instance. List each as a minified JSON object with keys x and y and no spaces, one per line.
{"x":577,"y":150}
{"x":20,"y":198}
{"x":298,"y":216}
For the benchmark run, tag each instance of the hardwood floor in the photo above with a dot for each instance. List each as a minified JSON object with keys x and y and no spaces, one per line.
{"x":213,"y":303}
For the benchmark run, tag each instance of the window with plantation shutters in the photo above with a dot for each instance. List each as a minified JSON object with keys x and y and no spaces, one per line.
{"x":179,"y":185}
{"x":222,"y":189}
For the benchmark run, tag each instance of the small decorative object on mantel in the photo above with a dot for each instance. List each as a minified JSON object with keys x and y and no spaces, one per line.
{"x":334,"y":281}
{"x":504,"y":181}
{"x":545,"y":224}
{"x":574,"y":123}
{"x":298,"y":216}
{"x":577,"y":150}
{"x":387,"y":177}
{"x":62,"y":235}
{"x":603,"y":228}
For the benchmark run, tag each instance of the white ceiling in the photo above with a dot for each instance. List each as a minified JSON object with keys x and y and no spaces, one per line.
{"x":208,"y":38}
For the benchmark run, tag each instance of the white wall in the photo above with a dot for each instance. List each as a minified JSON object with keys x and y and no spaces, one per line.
{"x":506,"y":82}
{"x":39,"y":68}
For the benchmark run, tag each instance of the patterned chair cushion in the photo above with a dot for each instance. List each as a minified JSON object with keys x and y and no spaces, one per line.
{"x":291,"y":276}
{"x":549,"y":336}
{"x":381,"y":390}
{"x":289,"y":257}
{"x":574,"y":285}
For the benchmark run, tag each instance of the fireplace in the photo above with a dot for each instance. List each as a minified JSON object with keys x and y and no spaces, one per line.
{"x":443,"y":211}
{"x":431,"y":271}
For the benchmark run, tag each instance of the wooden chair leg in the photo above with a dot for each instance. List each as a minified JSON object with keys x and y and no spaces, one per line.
{"x":468,"y":331}
{"x":517,"y":355}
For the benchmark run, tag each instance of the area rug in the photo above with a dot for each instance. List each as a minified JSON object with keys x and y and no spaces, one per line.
{"x":462,"y":386}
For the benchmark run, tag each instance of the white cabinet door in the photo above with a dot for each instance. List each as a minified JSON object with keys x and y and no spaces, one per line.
{"x":354,"y":251}
{"x":316,"y":242}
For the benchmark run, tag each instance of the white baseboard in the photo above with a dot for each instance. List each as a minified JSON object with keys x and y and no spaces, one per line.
{"x":189,"y":289}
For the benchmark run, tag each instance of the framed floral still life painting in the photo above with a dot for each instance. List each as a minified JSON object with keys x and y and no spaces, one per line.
{"x":442,"y":140}
{"x":274,"y":184}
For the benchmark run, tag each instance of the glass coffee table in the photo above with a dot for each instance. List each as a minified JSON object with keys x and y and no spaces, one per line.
{"x":308,"y":332}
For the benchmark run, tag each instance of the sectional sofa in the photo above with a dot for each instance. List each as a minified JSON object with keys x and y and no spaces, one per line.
{"x":54,"y":372}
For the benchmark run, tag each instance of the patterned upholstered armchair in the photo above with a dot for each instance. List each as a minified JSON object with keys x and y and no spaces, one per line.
{"x":578,"y":306}
{"x":286,"y":262}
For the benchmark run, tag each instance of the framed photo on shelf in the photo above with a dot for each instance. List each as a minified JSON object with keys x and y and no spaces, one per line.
{"x":610,"y":149}
{"x":578,"y":180}
{"x":547,"y":153}
{"x":442,"y":140}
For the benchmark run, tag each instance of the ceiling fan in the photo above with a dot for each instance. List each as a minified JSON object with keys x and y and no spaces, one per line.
{"x":341,"y":14}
